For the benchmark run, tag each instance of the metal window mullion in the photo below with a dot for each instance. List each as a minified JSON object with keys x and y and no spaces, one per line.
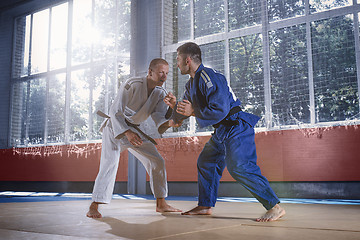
{"x":266,"y":27}
{"x":116,"y":51}
{"x":10,"y":141}
{"x":192,"y":121}
{"x":107,"y":87}
{"x":266,"y":59}
{"x":47,"y":80}
{"x":90,"y":117}
{"x":68,"y":73}
{"x":27,"y":120}
{"x":162,"y":40}
{"x":227,"y":49}
{"x":271,"y":26}
{"x":192,"y":20}
{"x":49,"y":41}
{"x":30,"y":44}
{"x":310,"y":65}
{"x":357,"y":50}
{"x":133,"y":27}
{"x":313,"y":17}
{"x":91,"y":79}
{"x":46,"y":131}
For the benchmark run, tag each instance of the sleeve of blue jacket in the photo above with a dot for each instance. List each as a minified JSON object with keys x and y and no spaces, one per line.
{"x":177,"y":117}
{"x":213,"y":104}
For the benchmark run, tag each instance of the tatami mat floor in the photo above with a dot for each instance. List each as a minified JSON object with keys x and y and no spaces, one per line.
{"x":62,"y":216}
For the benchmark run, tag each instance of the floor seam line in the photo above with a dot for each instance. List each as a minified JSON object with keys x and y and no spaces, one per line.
{"x":322,"y":229}
{"x":29,"y":231}
{"x":186,"y":233}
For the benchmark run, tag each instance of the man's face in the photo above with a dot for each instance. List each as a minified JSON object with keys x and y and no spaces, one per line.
{"x":159,"y":74}
{"x":181,"y":64}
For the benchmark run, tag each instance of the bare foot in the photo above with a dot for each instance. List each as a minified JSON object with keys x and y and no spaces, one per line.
{"x":93,"y":211}
{"x":199,"y":210}
{"x":162,"y":206}
{"x":272,"y":215}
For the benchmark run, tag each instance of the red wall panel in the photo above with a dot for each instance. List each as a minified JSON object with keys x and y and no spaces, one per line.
{"x":321,"y":154}
{"x":55,"y":163}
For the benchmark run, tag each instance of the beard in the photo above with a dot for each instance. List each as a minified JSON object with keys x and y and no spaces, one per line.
{"x":184,"y":69}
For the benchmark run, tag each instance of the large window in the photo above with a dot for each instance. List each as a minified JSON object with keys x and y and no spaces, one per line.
{"x":294,"y":63}
{"x":68,"y":62}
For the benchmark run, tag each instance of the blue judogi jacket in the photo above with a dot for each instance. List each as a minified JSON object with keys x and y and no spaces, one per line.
{"x":211,"y":98}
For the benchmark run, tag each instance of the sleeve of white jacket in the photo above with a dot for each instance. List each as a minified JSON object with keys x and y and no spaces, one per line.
{"x":117,"y":109}
{"x":158,"y":115}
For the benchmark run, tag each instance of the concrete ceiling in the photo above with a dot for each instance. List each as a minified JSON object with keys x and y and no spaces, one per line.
{"x":8,"y":4}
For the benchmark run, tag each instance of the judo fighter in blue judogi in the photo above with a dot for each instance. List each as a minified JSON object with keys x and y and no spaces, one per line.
{"x":209,"y":98}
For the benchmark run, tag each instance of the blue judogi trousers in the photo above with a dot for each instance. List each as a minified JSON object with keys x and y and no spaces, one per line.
{"x":234,"y":147}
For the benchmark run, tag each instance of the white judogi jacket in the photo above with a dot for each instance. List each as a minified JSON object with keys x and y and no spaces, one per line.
{"x":132,"y":103}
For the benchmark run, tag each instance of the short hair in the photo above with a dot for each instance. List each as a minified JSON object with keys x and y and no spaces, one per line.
{"x":192,"y":50}
{"x":157,"y":61}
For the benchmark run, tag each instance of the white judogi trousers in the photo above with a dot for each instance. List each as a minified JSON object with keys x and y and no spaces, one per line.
{"x":110,"y":154}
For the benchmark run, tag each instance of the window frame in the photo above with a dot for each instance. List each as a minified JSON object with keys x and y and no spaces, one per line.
{"x":264,"y":28}
{"x":105,"y":63}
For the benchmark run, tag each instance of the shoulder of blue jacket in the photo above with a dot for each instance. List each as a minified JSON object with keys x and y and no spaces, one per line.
{"x":204,"y":75}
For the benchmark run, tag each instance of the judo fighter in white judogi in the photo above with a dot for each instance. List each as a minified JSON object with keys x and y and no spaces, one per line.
{"x":137,"y":99}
